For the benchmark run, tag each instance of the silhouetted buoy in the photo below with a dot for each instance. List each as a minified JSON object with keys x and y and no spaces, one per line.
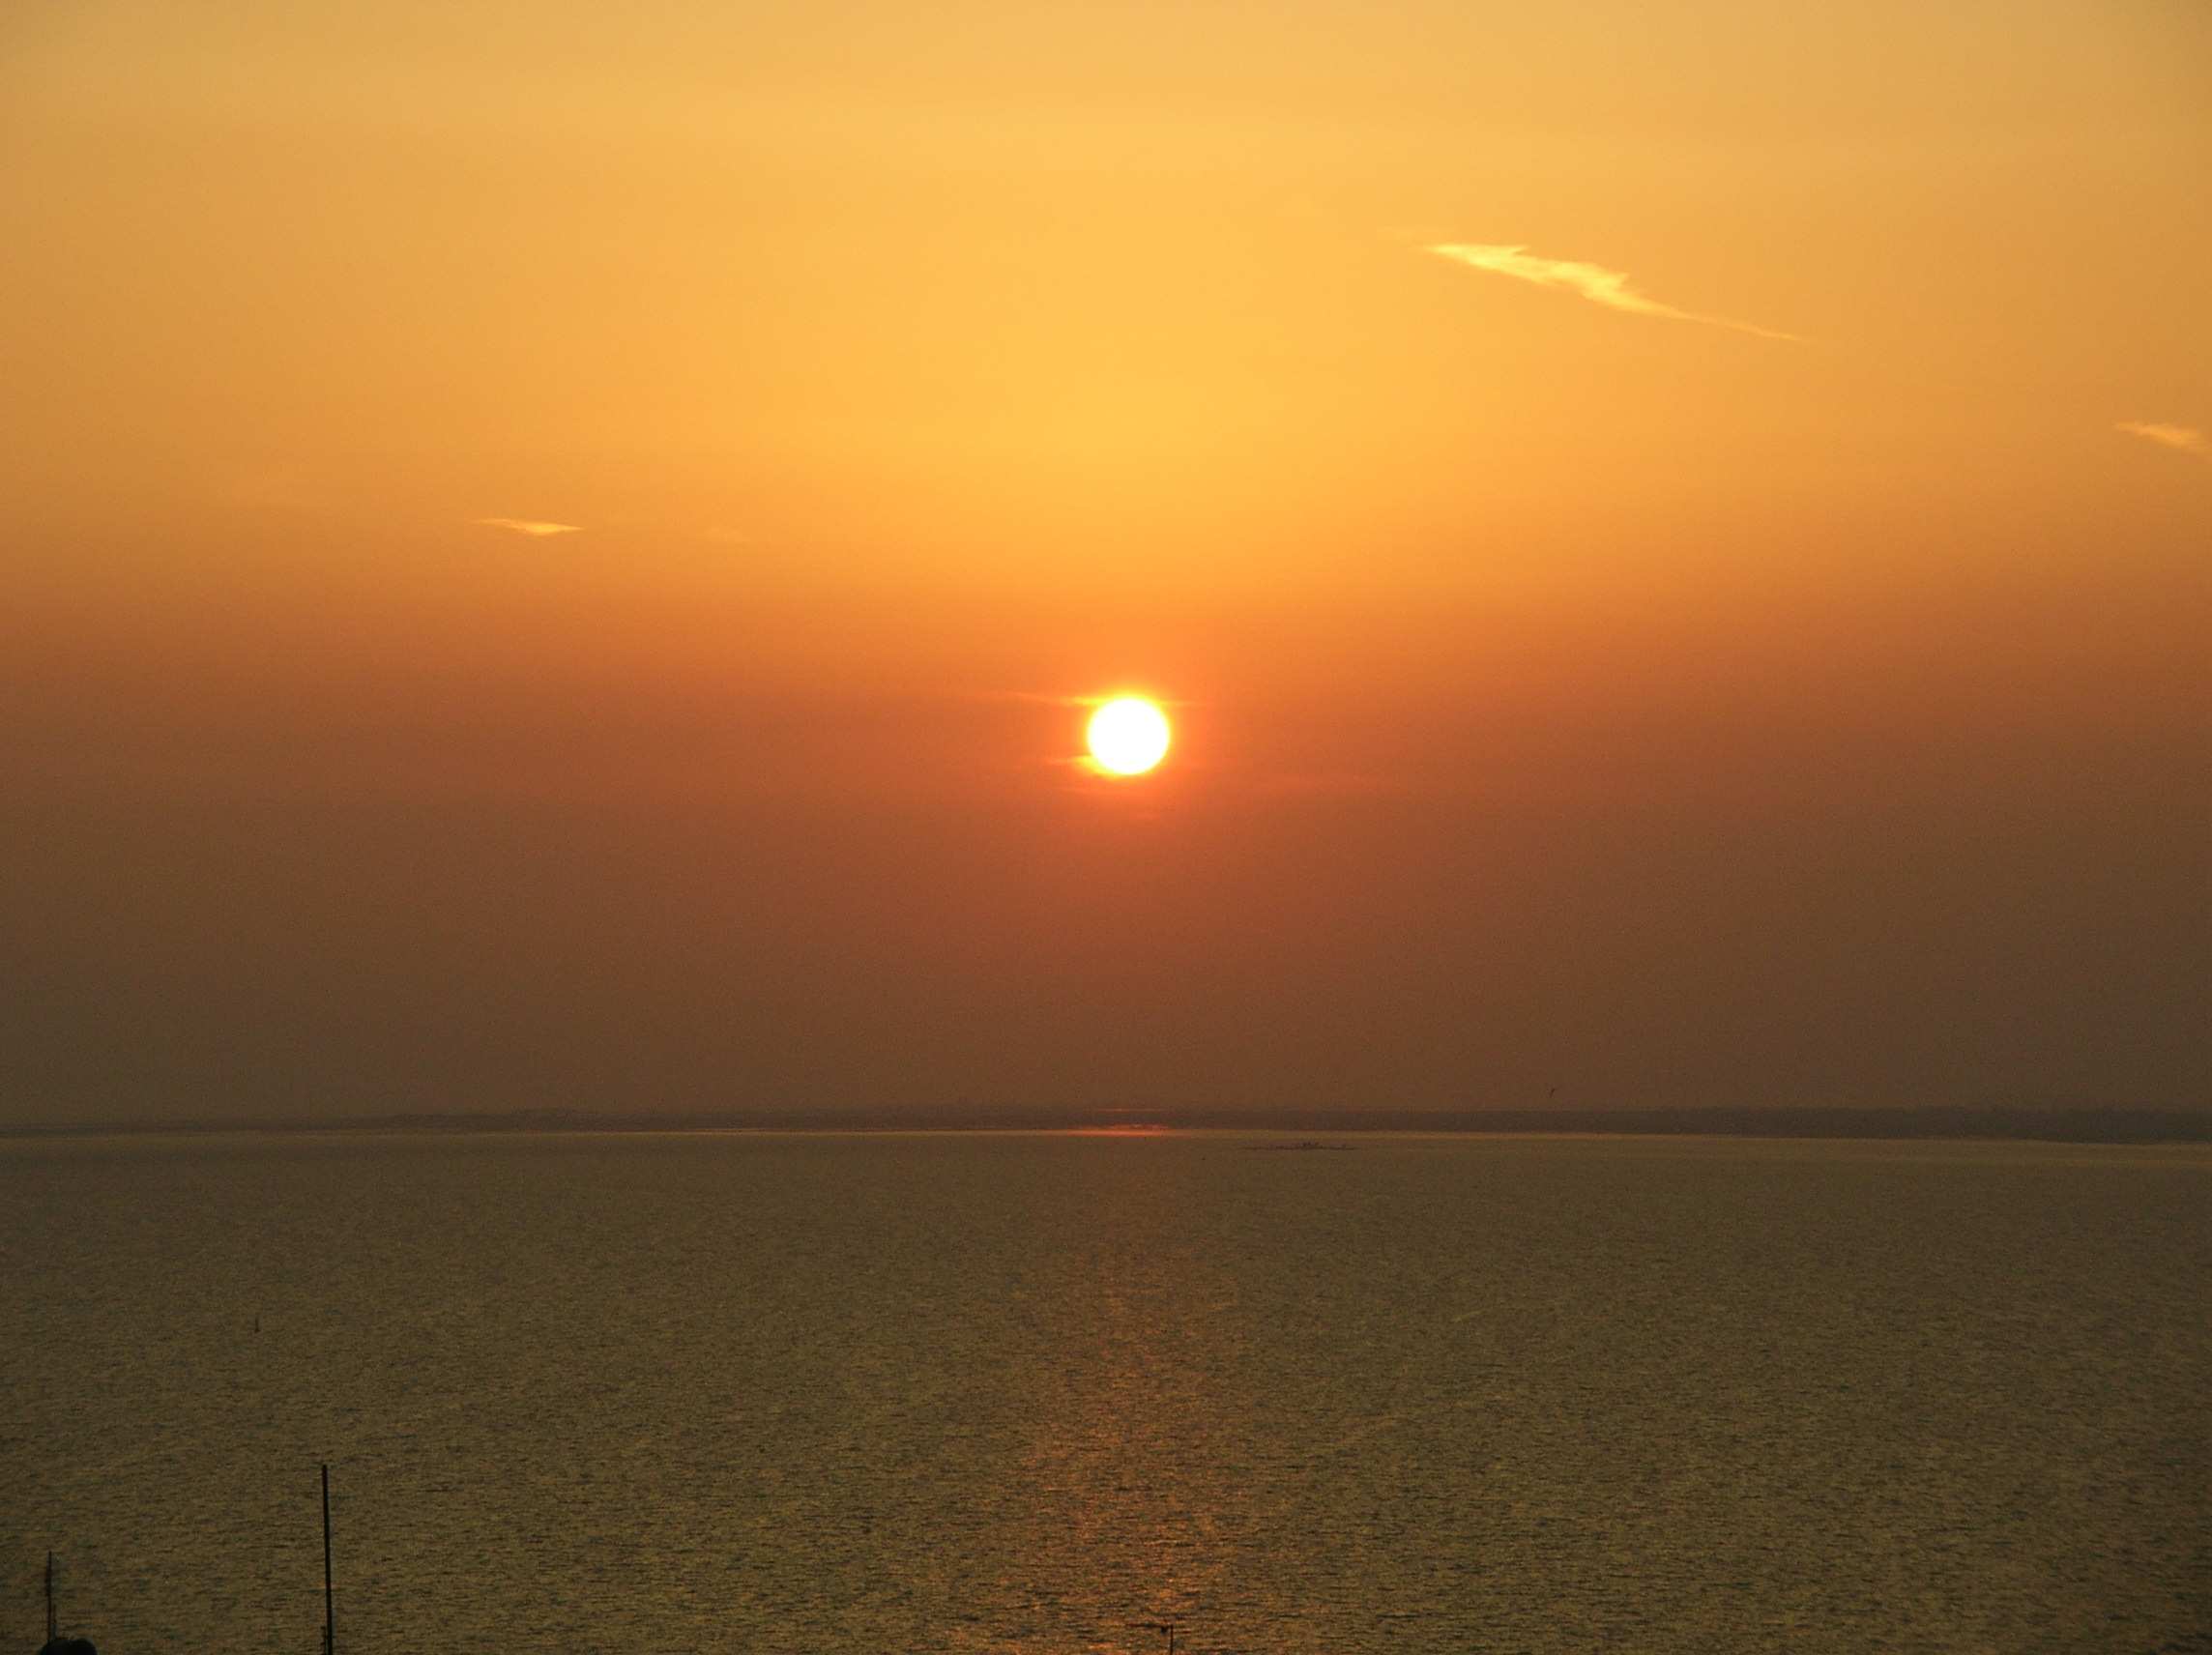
{"x":56,"y":1644}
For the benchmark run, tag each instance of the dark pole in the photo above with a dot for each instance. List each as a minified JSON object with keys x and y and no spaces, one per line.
{"x":329,"y":1612}
{"x":52,"y":1631}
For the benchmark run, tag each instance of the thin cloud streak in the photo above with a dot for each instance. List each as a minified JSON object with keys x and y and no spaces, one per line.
{"x":1591,"y":282}
{"x":1062,"y":697}
{"x":2185,"y":439}
{"x":536,"y":530}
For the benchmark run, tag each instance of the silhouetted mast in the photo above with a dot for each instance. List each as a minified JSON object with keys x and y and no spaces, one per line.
{"x":329,"y":1611}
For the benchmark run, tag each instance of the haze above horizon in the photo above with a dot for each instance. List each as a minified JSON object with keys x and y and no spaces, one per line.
{"x":558,"y":558}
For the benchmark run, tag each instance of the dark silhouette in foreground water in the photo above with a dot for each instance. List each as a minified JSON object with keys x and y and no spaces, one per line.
{"x":56,"y":1644}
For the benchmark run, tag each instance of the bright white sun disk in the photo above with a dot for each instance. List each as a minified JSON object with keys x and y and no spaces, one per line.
{"x":1128,"y":735}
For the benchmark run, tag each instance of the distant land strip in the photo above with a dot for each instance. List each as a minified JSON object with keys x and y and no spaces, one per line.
{"x":2060,"y":1125}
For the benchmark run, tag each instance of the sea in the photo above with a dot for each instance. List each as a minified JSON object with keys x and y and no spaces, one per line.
{"x":1059,"y":1393}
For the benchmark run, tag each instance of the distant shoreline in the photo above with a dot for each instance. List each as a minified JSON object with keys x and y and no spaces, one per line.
{"x":1996,"y":1124}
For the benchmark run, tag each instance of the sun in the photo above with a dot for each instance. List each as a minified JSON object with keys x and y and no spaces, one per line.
{"x":1128,"y":735}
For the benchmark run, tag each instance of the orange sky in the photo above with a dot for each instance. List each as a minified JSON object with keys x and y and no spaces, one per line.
{"x":1679,"y":535}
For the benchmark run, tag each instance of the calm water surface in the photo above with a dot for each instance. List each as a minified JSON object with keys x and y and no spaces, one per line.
{"x":1032,"y":1393}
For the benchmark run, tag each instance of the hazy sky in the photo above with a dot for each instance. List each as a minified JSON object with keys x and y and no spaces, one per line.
{"x":552,"y":553}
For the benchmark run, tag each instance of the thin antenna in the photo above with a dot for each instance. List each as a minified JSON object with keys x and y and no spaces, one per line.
{"x":329,"y":1611}
{"x":52,"y":1631}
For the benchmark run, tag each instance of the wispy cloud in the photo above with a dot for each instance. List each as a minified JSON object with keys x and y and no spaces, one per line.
{"x":1593,"y":282}
{"x":536,"y":530}
{"x":2188,"y":438}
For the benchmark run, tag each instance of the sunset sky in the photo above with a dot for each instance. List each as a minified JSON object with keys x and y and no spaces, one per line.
{"x":558,"y":554}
